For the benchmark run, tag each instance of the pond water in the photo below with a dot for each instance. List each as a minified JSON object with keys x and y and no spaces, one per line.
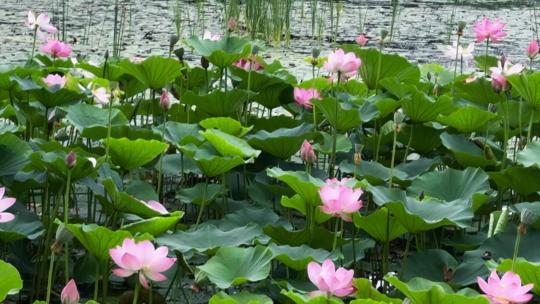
{"x":421,"y":27}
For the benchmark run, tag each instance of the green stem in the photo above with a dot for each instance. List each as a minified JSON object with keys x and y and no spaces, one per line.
{"x":50,"y":277}
{"x":336,"y":228}
{"x":33,"y":45}
{"x":506,"y":135}
{"x":150,"y":293}
{"x":516,"y":249}
{"x":393,"y":157}
{"x":108,"y":132}
{"x":66,"y":219}
{"x":529,"y":130}
{"x":485,"y":63}
{"x":199,"y":216}
{"x":96,"y":282}
{"x":160,"y":173}
{"x":136,"y":292}
{"x":332,"y":166}
{"x":455,"y":67}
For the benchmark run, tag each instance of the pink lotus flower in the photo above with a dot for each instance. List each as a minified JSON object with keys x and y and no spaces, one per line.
{"x":142,"y":259}
{"x":165,"y":100}
{"x":101,"y":96}
{"x":487,"y":29}
{"x":340,"y":200}
{"x":248,"y":64}
{"x":55,"y":80}
{"x":209,"y":36}
{"x":339,"y":62}
{"x":70,"y":294}
{"x":56,"y":49}
{"x":329,"y":281}
{"x":5,"y":203}
{"x":157,"y":206}
{"x":303,"y":97}
{"x":361,"y":40}
{"x":307,"y":153}
{"x":504,"y":69}
{"x":505,"y":290}
{"x":41,"y":25}
{"x":533,"y":49}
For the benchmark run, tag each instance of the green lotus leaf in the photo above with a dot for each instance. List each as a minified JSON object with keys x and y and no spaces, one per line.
{"x":235,"y":266}
{"x":282,"y":143}
{"x":221,"y":53}
{"x":527,"y":271}
{"x":209,"y":237}
{"x":14,"y":154}
{"x":55,"y":163}
{"x":155,"y":226}
{"x":228,"y":145}
{"x":524,"y":181}
{"x":342,"y":116}
{"x":261,"y":217}
{"x":125,"y":202}
{"x":297,"y":203}
{"x":273,"y":123}
{"x":177,"y":133}
{"x":11,"y":280}
{"x":303,"y":184}
{"x":421,"y":108}
{"x":218,"y":103}
{"x":318,"y":238}
{"x":429,"y":264}
{"x":466,"y":152}
{"x":243,"y":297}
{"x":298,"y":257}
{"x":530,"y":156}
{"x":528,"y":87}
{"x":306,"y":299}
{"x":154,"y":72}
{"x":131,"y":154}
{"x":199,"y":193}
{"x":26,"y":225}
{"x":479,"y":91}
{"x":366,"y":291}
{"x":209,"y":161}
{"x":380,"y":225}
{"x":343,"y":144}
{"x":373,"y":172}
{"x":225,"y":124}
{"x":89,"y":119}
{"x":485,"y":62}
{"x":467,"y":119}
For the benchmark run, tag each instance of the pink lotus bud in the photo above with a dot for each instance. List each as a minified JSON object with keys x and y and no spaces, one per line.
{"x":231,"y":24}
{"x":71,"y":159}
{"x":70,"y":294}
{"x":165,"y":100}
{"x":533,"y":49}
{"x":307,"y":153}
{"x":361,"y":40}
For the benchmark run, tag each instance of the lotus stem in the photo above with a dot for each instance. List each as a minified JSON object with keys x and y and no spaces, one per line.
{"x":529,"y":130}
{"x":160,"y":173}
{"x":455,"y":67}
{"x":199,"y":216}
{"x":66,"y":219}
{"x":33,"y":45}
{"x":136,"y":291}
{"x":394,"y":142}
{"x":485,"y":63}
{"x":50,"y":277}
{"x":516,"y":249}
{"x":108,"y":132}
{"x":96,"y":282}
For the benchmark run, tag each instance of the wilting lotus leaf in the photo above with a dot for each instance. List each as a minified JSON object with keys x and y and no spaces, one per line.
{"x":527,"y":271}
{"x":467,"y":119}
{"x":243,"y":297}
{"x":14,"y":154}
{"x":528,"y":87}
{"x":221,"y":53}
{"x":218,"y":103}
{"x":155,"y":226}
{"x":391,"y":65}
{"x":210,"y":237}
{"x":98,"y":239}
{"x":235,"y":266}
{"x":451,"y":184}
{"x":177,"y":133}
{"x":11,"y":280}
{"x":422,"y":291}
{"x":305,"y":185}
{"x":228,"y":145}
{"x":298,"y":257}
{"x":282,"y":143}
{"x":380,"y":225}
{"x":26,"y":225}
{"x":209,"y":161}
{"x":87,"y":119}
{"x":467,"y":153}
{"x":524,"y":181}
{"x":373,"y":172}
{"x":421,"y":108}
{"x":342,"y":116}
{"x":343,"y":144}
{"x":199,"y":193}
{"x":366,"y":291}
{"x":154,"y":72}
{"x":131,"y":154}
{"x":530,"y":156}
{"x":225,"y":124}
{"x":124,"y":202}
{"x":306,"y":299}
{"x":479,"y":91}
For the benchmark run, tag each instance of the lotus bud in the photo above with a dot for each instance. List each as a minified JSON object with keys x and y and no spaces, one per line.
{"x":503,"y":60}
{"x":70,"y":294}
{"x":165,"y":100}
{"x":307,"y":153}
{"x":358,"y":154}
{"x":231,"y":24}
{"x":205,"y":63}
{"x":179,"y":53}
{"x":461,"y":27}
{"x":315,"y":52}
{"x":71,"y":159}
{"x":384,"y":34}
{"x":533,"y":49}
{"x":173,"y":39}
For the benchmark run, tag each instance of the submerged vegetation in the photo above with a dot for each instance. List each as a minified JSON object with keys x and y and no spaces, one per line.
{"x":375,"y":180}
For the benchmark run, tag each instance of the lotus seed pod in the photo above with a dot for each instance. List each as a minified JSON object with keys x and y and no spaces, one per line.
{"x":528,"y":217}
{"x":179,"y":53}
{"x":205,"y":63}
{"x":173,"y":40}
{"x":315,"y":52}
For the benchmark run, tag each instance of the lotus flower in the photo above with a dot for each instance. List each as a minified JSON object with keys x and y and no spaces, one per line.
{"x":329,"y":281}
{"x":533,"y":49}
{"x":488,"y":29}
{"x":56,"y":49}
{"x":101,"y":96}
{"x":340,"y":200}
{"x":165,"y":100}
{"x":41,"y":25}
{"x":142,"y":259}
{"x":504,"y":69}
{"x":5,"y":203}
{"x":157,"y":206}
{"x":303,"y":97}
{"x":248,"y":64}
{"x":70,"y":294}
{"x":209,"y":36}
{"x":361,"y":40}
{"x":55,"y":80}
{"x":306,"y":152}
{"x":345,"y":64}
{"x":465,"y":53}
{"x":505,"y":290}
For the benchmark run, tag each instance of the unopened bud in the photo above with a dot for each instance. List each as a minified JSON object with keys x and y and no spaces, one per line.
{"x":315,"y":52}
{"x":205,"y":63}
{"x":461,"y":27}
{"x":384,"y":34}
{"x":106,"y":55}
{"x":231,"y":24}
{"x":173,"y":40}
{"x":71,"y":159}
{"x":179,"y":53}
{"x":165,"y":100}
